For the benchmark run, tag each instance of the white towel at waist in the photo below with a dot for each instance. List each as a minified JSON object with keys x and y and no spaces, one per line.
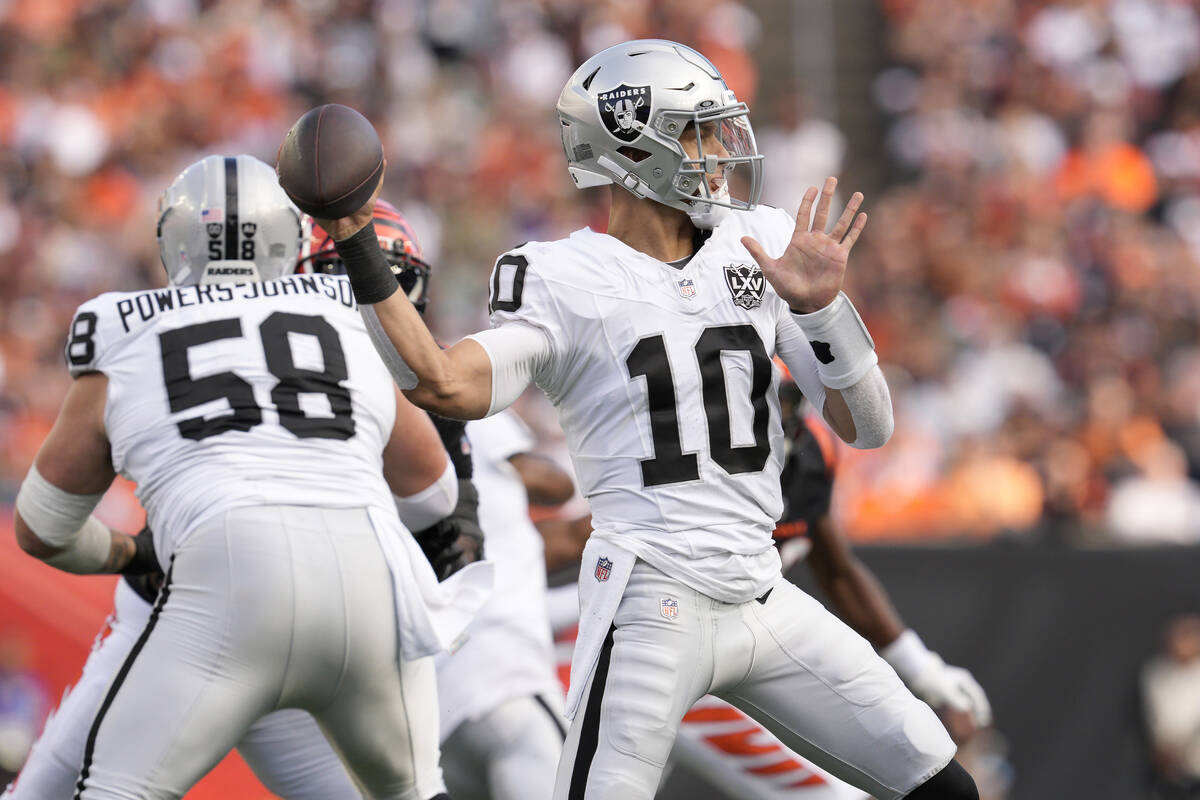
{"x":603,"y":574}
{"x":431,"y":616}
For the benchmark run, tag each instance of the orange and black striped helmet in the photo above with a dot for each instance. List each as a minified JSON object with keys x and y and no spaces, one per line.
{"x":396,"y":239}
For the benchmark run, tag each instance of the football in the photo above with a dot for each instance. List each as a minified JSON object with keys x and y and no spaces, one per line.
{"x":330,"y":161}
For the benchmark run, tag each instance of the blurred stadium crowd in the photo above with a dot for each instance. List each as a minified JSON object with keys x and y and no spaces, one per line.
{"x":1029,"y":272}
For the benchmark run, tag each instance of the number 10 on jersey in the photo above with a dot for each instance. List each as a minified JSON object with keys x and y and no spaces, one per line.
{"x":670,"y":464}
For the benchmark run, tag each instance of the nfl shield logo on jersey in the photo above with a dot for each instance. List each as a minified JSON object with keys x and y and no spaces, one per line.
{"x":687,"y":288}
{"x":669,"y":607}
{"x":746,"y":283}
{"x":603,"y":569}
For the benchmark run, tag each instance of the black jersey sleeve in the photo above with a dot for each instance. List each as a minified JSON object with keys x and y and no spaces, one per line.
{"x":457,"y":540}
{"x":453,"y":433}
{"x":807,"y":479}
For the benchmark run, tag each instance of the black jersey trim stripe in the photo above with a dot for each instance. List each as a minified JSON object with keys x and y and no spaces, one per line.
{"x":555,"y":718}
{"x":90,"y":748}
{"x":589,"y":732}
{"x":231,"y":208}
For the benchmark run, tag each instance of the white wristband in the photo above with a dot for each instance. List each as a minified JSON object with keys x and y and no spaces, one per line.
{"x":419,"y":511}
{"x":63,"y":520}
{"x":844,"y":349}
{"x":88,"y":554}
{"x":909,"y":656}
{"x":55,"y":516}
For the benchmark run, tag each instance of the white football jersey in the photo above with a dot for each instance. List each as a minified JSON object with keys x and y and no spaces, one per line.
{"x":229,"y":395}
{"x":666,"y":391}
{"x":509,"y":640}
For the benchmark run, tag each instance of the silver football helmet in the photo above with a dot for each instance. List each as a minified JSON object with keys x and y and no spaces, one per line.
{"x":225,"y":220}
{"x":622,"y":115}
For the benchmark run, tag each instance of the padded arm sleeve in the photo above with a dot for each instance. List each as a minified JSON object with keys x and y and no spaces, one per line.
{"x":870,"y":405}
{"x":420,"y":510}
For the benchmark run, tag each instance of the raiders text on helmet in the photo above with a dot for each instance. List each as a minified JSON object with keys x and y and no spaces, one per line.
{"x":225,"y":220}
{"x":622,"y":115}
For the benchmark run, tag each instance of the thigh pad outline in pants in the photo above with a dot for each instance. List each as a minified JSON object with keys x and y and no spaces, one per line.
{"x":822,"y":689}
{"x":659,"y":666}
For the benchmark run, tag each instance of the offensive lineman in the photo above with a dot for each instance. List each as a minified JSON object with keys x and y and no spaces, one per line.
{"x":260,"y":433}
{"x":286,"y":749}
{"x":655,"y":343}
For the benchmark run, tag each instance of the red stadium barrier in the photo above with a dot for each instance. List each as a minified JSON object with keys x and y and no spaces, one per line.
{"x":59,"y":616}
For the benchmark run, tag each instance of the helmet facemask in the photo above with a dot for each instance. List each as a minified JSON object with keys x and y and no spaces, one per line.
{"x":723,"y":140}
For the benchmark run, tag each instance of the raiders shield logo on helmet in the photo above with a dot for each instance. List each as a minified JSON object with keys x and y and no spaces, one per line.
{"x":625,"y":110}
{"x":746,"y":283}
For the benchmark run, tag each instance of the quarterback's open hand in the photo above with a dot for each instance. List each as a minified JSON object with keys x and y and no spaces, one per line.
{"x":808,"y":276}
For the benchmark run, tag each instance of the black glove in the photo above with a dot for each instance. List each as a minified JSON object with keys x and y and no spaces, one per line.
{"x":457,"y":540}
{"x":453,"y":434}
{"x":439,"y":543}
{"x":807,"y":480}
{"x":142,"y":573}
{"x":144,"y":558}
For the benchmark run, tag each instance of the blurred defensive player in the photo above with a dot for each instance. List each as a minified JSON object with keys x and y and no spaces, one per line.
{"x":455,"y":540}
{"x":227,"y":397}
{"x":655,"y":342}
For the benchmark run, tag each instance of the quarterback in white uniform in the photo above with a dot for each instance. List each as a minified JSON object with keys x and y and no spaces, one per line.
{"x":655,"y":342}
{"x":226,"y":397}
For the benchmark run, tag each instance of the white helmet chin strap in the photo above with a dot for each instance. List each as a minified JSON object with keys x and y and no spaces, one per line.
{"x":706,"y":216}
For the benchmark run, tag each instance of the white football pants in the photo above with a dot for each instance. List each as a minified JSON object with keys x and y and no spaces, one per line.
{"x":783,"y":659}
{"x":286,"y":749}
{"x":267,"y":608}
{"x":510,"y":753}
